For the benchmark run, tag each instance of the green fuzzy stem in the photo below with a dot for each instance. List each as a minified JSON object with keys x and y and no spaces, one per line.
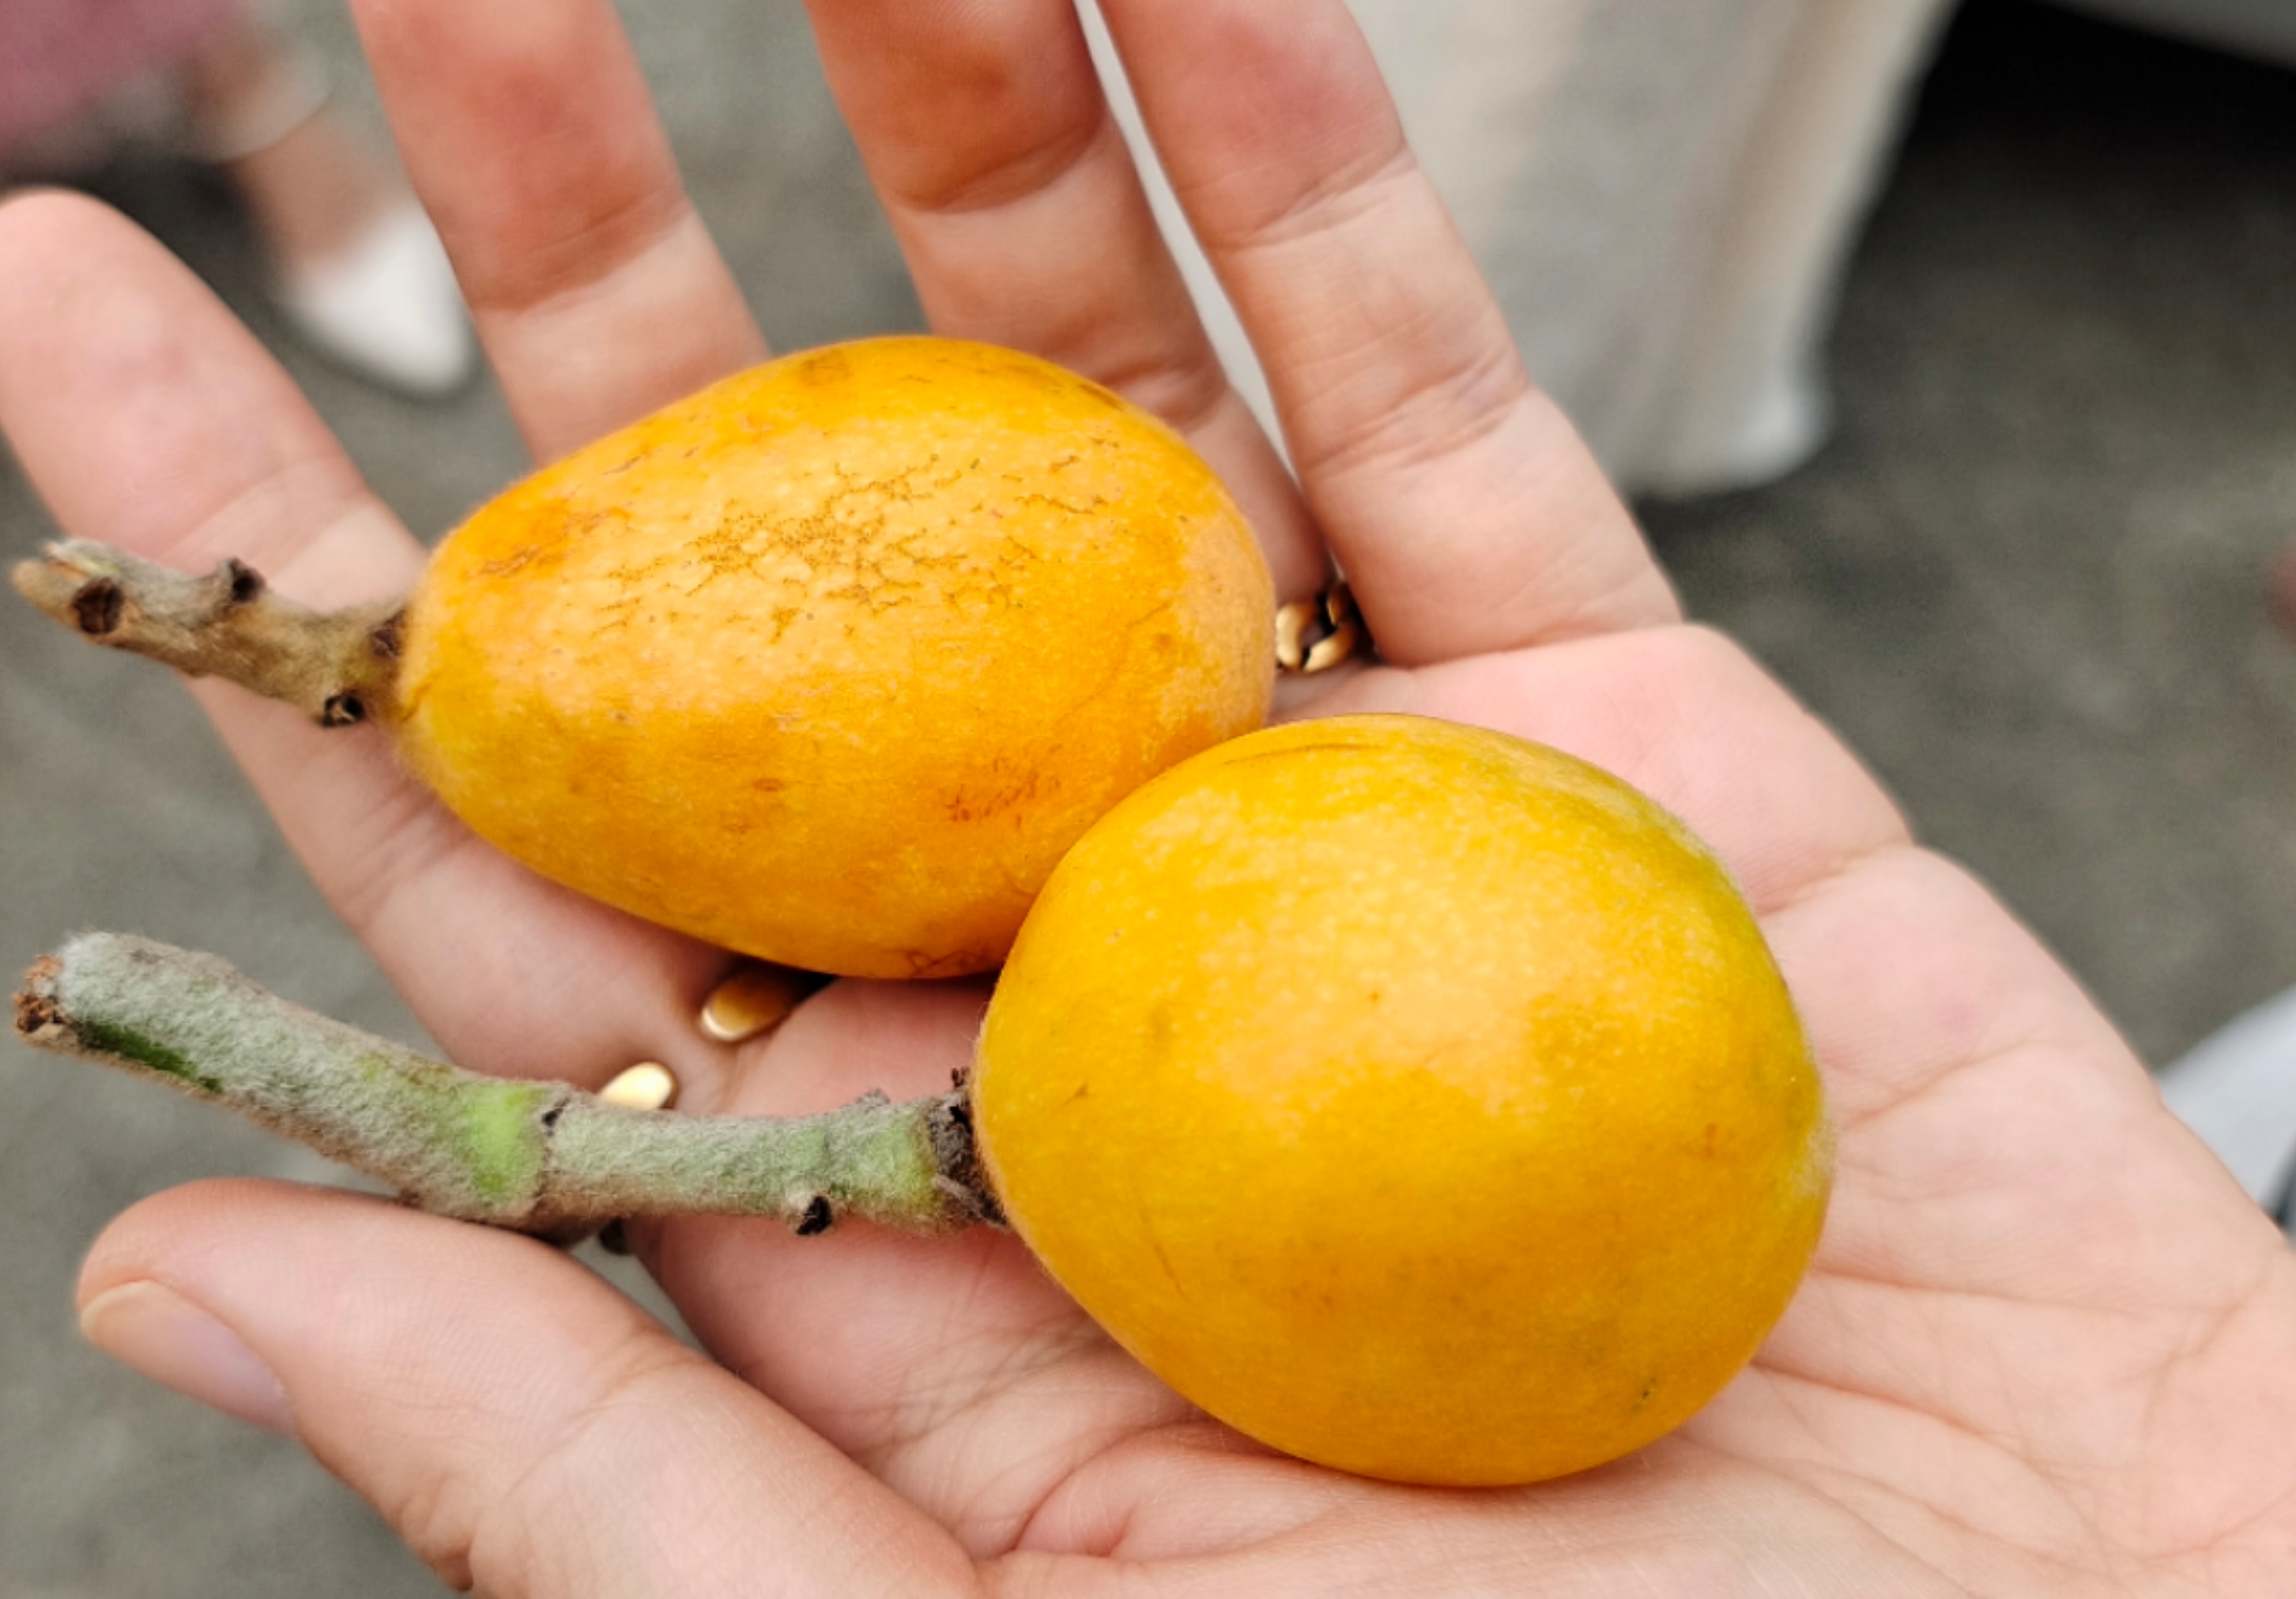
{"x":539,"y":1157}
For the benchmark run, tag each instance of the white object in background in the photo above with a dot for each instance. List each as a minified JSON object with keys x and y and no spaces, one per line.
{"x":2237,"y":1088}
{"x":1212,"y":303}
{"x":1663,"y":197}
{"x":387,"y":307}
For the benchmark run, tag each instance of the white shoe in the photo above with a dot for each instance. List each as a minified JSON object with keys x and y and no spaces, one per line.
{"x":386,"y":307}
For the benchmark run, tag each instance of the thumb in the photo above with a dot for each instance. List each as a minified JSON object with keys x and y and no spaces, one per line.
{"x":526,"y":1429}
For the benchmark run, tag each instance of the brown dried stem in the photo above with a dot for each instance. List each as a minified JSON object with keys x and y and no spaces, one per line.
{"x":338,"y":666}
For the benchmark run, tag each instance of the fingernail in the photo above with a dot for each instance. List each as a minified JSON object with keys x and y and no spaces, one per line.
{"x":754,"y":998}
{"x":156,"y":1330}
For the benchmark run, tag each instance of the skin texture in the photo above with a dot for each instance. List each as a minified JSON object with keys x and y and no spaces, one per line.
{"x":2046,"y":1345}
{"x":828,"y":663}
{"x":1419,"y":1101}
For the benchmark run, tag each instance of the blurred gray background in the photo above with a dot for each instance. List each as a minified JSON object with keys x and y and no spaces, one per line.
{"x":2026,"y":576}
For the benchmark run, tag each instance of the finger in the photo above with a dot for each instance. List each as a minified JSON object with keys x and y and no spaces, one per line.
{"x":1463,"y":505}
{"x":527,"y":129}
{"x":137,"y":403}
{"x":1024,"y":222}
{"x":524,"y":1427}
{"x":150,"y":419}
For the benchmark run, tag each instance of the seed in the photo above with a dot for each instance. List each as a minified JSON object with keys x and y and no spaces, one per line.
{"x":1315,"y":636}
{"x":755,"y":998}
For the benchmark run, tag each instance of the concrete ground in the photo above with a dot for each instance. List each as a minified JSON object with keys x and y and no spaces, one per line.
{"x":2026,"y":579}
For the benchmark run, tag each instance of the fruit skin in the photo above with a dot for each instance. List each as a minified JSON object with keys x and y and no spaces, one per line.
{"x":829,"y":663}
{"x":1419,"y":1101}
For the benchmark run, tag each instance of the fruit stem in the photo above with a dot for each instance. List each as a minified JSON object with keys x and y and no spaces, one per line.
{"x":338,"y":666}
{"x":536,"y":1156}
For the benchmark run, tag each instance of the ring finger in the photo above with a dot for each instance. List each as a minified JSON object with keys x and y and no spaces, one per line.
{"x":1467,"y":512}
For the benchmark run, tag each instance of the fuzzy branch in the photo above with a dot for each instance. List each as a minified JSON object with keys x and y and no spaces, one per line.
{"x":539,"y":1157}
{"x":338,"y":666}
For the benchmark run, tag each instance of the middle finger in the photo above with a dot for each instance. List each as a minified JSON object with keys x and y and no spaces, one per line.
{"x":1025,"y":223}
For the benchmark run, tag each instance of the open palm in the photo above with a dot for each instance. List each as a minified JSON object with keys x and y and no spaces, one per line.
{"x":2047,"y":1346}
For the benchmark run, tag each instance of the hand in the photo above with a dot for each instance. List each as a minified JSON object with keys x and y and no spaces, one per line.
{"x":2047,"y":1345}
